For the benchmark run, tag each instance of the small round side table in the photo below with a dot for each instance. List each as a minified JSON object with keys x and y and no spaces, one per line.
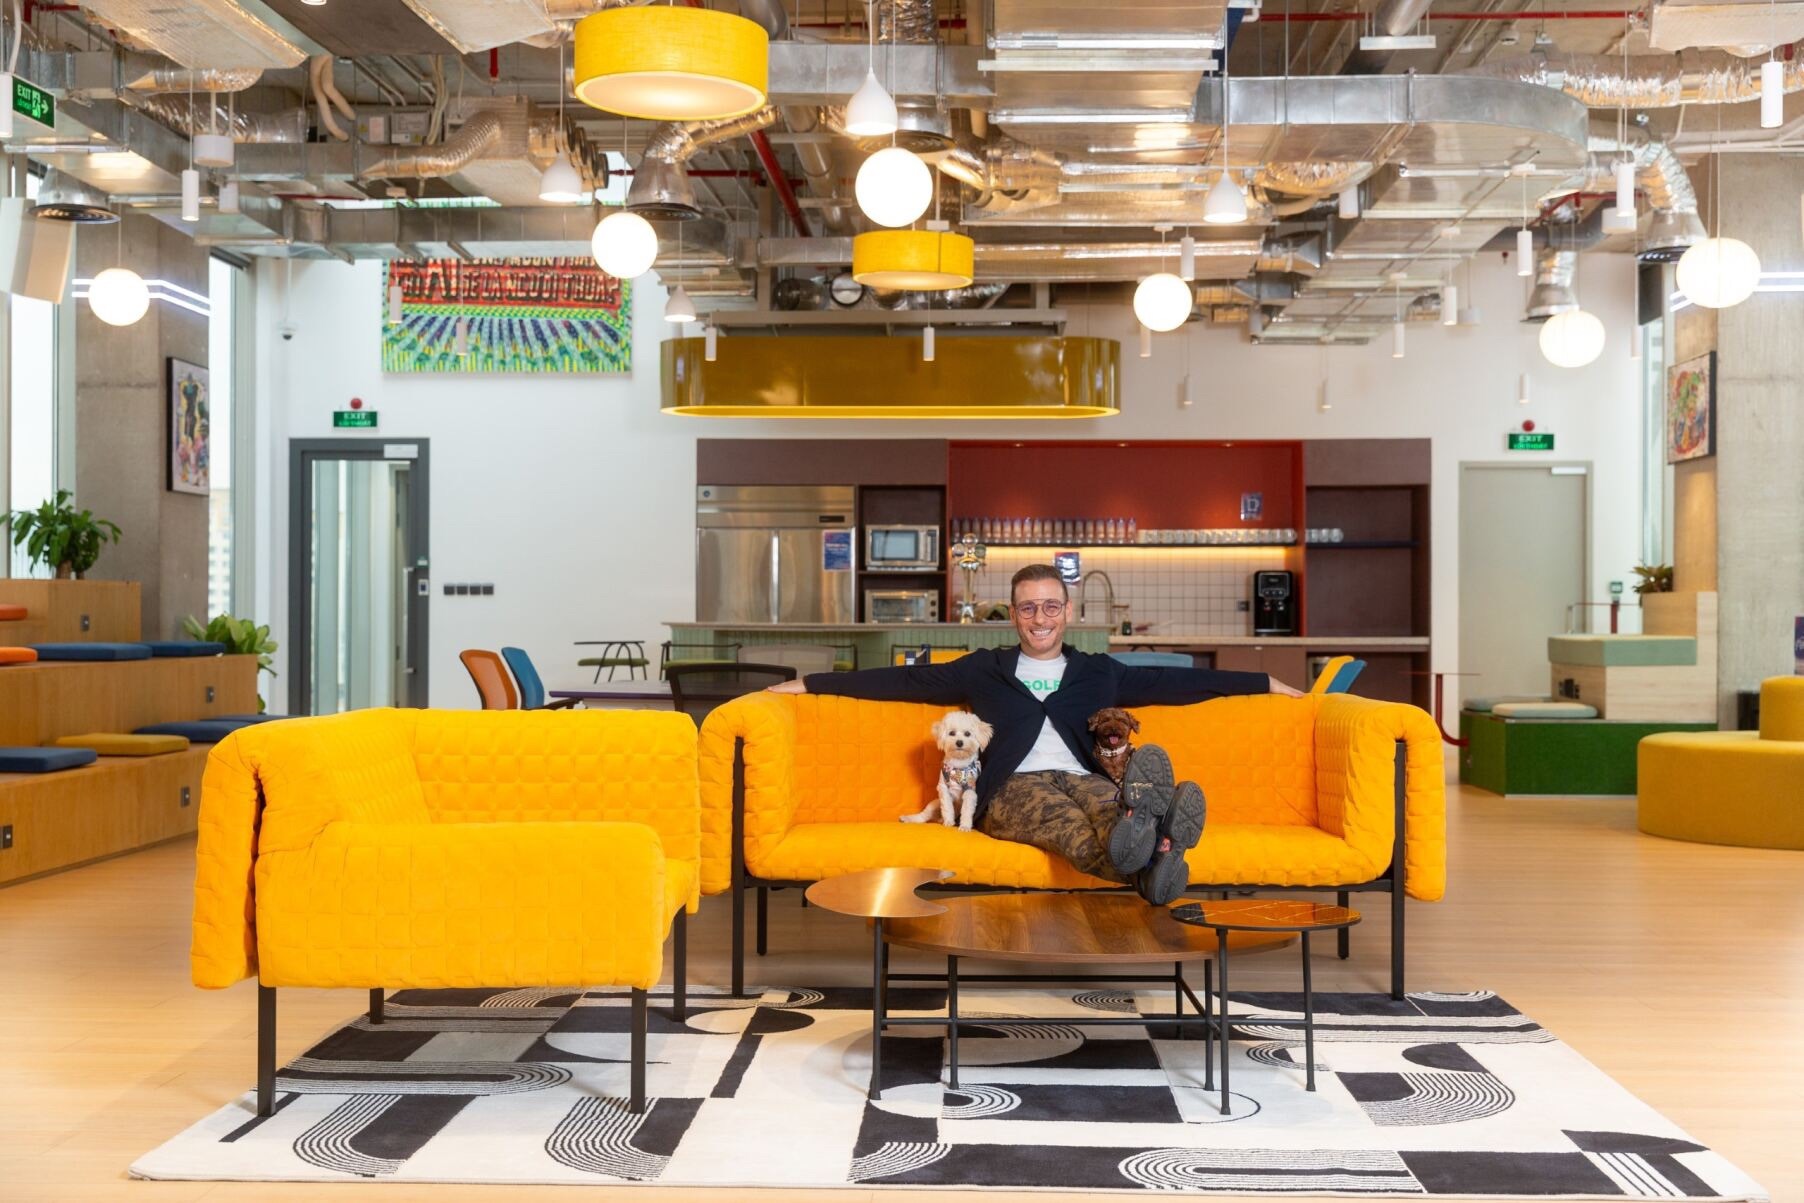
{"x":1270,"y":916}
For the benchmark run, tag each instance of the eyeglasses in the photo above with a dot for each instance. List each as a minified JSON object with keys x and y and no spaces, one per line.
{"x":1052,"y":609}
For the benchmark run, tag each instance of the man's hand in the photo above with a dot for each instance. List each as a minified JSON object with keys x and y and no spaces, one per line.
{"x":796,"y":686}
{"x":1275,"y":685}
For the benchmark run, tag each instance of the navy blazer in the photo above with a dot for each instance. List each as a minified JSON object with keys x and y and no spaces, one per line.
{"x":985,"y":682}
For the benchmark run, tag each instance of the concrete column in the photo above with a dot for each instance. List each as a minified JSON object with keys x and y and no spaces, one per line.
{"x":122,"y":423}
{"x":1760,"y":433}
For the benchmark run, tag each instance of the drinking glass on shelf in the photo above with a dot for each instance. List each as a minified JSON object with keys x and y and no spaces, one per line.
{"x":1133,"y":531}
{"x":1336,"y":534}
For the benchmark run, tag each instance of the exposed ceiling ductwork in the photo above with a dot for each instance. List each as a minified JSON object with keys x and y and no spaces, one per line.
{"x":204,"y":34}
{"x":1644,"y":82}
{"x":661,"y":186}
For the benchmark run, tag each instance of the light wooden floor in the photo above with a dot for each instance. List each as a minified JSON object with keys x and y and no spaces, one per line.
{"x":1677,"y":968}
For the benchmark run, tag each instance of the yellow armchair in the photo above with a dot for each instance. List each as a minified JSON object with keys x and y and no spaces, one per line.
{"x":1331,"y":792}
{"x":434,"y":849}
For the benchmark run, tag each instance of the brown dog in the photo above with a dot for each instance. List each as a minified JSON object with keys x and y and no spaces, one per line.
{"x":1114,"y":730}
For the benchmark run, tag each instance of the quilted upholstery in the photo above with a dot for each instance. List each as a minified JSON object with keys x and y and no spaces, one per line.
{"x":409,"y":848}
{"x":1301,"y":791}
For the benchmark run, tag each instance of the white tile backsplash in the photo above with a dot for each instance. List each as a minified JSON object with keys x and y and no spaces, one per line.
{"x":1189,"y":590}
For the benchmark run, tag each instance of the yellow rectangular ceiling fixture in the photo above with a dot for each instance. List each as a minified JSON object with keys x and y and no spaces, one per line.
{"x":884,"y":376}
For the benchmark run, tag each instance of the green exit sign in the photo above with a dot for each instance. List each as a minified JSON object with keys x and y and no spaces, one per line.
{"x":31,"y":101}
{"x":1537,"y":440}
{"x":354,"y":419}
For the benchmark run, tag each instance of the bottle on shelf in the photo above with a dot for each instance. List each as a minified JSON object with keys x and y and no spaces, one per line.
{"x":1133,"y":531}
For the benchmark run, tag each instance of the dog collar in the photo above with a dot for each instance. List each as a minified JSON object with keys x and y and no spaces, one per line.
{"x":1112,"y":751}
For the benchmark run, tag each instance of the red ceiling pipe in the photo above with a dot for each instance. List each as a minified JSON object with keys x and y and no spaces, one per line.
{"x":1593,"y":14}
{"x":494,"y":62}
{"x":774,"y":173}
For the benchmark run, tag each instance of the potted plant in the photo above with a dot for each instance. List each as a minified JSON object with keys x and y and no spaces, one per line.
{"x":1655,"y":578}
{"x":61,"y":537}
{"x":241,"y":637}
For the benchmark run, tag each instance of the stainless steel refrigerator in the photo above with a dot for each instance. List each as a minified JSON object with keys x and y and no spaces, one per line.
{"x":769,"y":553}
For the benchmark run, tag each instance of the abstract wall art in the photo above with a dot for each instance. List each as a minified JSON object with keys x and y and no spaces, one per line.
{"x":539,"y":316}
{"x":190,"y":440}
{"x":1691,"y":409}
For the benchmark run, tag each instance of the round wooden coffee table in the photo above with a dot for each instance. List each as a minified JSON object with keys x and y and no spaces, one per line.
{"x":1264,"y":916}
{"x":1081,"y":928}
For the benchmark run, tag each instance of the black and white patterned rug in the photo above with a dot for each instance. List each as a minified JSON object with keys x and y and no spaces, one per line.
{"x":1441,"y":1094}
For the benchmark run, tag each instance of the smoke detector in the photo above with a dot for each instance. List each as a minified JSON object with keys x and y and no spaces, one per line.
{"x":65,"y":198}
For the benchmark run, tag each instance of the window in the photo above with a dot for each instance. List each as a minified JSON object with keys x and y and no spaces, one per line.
{"x":222,"y":286}
{"x":31,"y":438}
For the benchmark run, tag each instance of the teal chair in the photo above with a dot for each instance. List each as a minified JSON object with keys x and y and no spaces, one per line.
{"x":532,"y":689}
{"x":1155,"y":659}
{"x":1338,"y":675}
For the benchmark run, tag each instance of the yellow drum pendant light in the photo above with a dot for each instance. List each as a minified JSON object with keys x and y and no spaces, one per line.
{"x":671,"y":63}
{"x":919,"y":260}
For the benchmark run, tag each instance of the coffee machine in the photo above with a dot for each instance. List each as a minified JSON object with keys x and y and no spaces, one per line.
{"x":1274,"y":603}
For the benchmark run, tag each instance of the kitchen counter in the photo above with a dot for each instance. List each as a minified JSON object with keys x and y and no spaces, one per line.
{"x":1339,"y":643}
{"x":871,"y":643}
{"x":860,"y":627}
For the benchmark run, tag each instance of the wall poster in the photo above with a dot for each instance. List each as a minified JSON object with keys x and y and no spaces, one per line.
{"x":1691,"y":409}
{"x":190,"y":440}
{"x":542,"y":316}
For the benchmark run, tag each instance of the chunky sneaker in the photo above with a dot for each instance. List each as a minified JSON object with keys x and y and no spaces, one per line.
{"x":1166,"y":874}
{"x":1146,"y":796}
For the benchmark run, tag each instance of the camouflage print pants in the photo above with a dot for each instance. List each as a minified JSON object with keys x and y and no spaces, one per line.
{"x":1071,"y":814}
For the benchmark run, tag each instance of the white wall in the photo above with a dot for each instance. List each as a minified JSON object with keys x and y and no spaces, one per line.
{"x":575,"y":495}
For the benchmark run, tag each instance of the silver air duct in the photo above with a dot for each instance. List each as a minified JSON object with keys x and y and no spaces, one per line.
{"x":473,"y":140}
{"x":142,"y":74}
{"x":1650,"y":82}
{"x":661,"y":187}
{"x":205,"y":115}
{"x":1391,"y":19}
{"x":65,"y":198}
{"x":816,"y":159}
{"x":1553,"y":284}
{"x":1658,"y":172}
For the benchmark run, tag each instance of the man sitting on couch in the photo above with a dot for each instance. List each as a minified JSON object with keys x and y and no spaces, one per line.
{"x":1040,"y":783}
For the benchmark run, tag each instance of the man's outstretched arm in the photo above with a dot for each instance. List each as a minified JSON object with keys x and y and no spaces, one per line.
{"x":942,"y":684}
{"x":1181,"y":686}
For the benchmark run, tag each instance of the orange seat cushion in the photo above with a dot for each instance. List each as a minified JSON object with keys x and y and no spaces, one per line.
{"x":18,"y":655}
{"x":9,"y":613}
{"x":1229,"y":854}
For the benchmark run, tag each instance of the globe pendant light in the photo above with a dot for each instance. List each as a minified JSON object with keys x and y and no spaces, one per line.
{"x":1226,"y":203}
{"x":1572,"y":339}
{"x":118,"y":296}
{"x":560,"y":185}
{"x":893,"y":187}
{"x":1719,"y":272}
{"x":625,"y":245}
{"x":1162,"y":302}
{"x":871,"y":113}
{"x":671,"y":63}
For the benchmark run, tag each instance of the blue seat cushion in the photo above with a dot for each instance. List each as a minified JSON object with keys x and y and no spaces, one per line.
{"x":245,"y":720}
{"x":200,"y":730}
{"x":45,"y":760}
{"x":92,"y":651}
{"x":184,"y":647}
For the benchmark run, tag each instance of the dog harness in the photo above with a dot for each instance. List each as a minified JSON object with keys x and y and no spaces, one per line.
{"x":960,"y":777}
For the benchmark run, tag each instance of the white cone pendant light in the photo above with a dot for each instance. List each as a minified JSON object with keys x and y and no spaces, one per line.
{"x":1719,"y":272}
{"x":1226,"y":203}
{"x":678,"y":308}
{"x":893,"y":187}
{"x":1572,"y":339}
{"x":1162,"y":302}
{"x":871,"y":113}
{"x":624,"y":245}
{"x":560,"y":185}
{"x":118,"y":296}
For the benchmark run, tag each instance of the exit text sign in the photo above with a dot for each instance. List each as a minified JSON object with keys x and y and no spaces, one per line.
{"x":354,"y":419}
{"x":1539,"y":440}
{"x":31,"y":101}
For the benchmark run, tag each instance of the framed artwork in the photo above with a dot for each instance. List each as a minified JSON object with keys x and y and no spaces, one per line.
{"x":190,"y":439}
{"x":538,"y":316}
{"x":1691,"y":409}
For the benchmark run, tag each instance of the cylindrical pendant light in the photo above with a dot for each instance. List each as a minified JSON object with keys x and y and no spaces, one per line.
{"x":1397,"y":340}
{"x":228,"y":197}
{"x":463,"y":335}
{"x":710,"y":342}
{"x":395,"y":297}
{"x":1772,"y":94}
{"x":1525,"y":252}
{"x":1187,"y":257}
{"x":213,"y":150}
{"x":1146,"y":340}
{"x":926,"y":344}
{"x":1450,"y":305}
{"x":1625,"y":189}
{"x":921,"y":260}
{"x":1349,"y":203}
{"x":190,"y":195}
{"x":671,"y":63}
{"x":1522,"y":391}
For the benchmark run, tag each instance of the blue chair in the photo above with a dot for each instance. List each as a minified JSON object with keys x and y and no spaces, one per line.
{"x":1156,"y":659}
{"x":1338,"y":675}
{"x":532,"y":689}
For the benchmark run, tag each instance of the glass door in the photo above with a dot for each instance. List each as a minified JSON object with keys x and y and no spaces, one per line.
{"x":358,"y":585}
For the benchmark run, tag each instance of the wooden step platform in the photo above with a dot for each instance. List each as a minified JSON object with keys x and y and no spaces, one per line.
{"x":59,"y":820}
{"x":45,"y":701}
{"x":72,"y":611}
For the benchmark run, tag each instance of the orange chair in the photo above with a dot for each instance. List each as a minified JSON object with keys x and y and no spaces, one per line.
{"x":493,"y":684}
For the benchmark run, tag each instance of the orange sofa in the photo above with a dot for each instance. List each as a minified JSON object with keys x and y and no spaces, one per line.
{"x":1330,"y":792}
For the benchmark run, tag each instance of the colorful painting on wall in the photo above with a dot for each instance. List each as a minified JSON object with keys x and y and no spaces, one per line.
{"x":1691,"y":409}
{"x":563,"y":316}
{"x":190,"y":440}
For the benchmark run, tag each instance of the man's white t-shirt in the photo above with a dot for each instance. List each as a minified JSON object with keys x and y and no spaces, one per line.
{"x":1049,"y":754}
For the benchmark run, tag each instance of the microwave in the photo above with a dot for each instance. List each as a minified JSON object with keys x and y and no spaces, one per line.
{"x":901,"y":548}
{"x":901,"y":605}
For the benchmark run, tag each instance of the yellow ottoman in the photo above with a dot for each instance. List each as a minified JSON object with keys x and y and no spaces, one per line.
{"x":1730,"y":787}
{"x":110,"y":744}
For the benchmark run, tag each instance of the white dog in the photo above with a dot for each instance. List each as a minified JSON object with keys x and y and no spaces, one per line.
{"x":961,"y":737}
